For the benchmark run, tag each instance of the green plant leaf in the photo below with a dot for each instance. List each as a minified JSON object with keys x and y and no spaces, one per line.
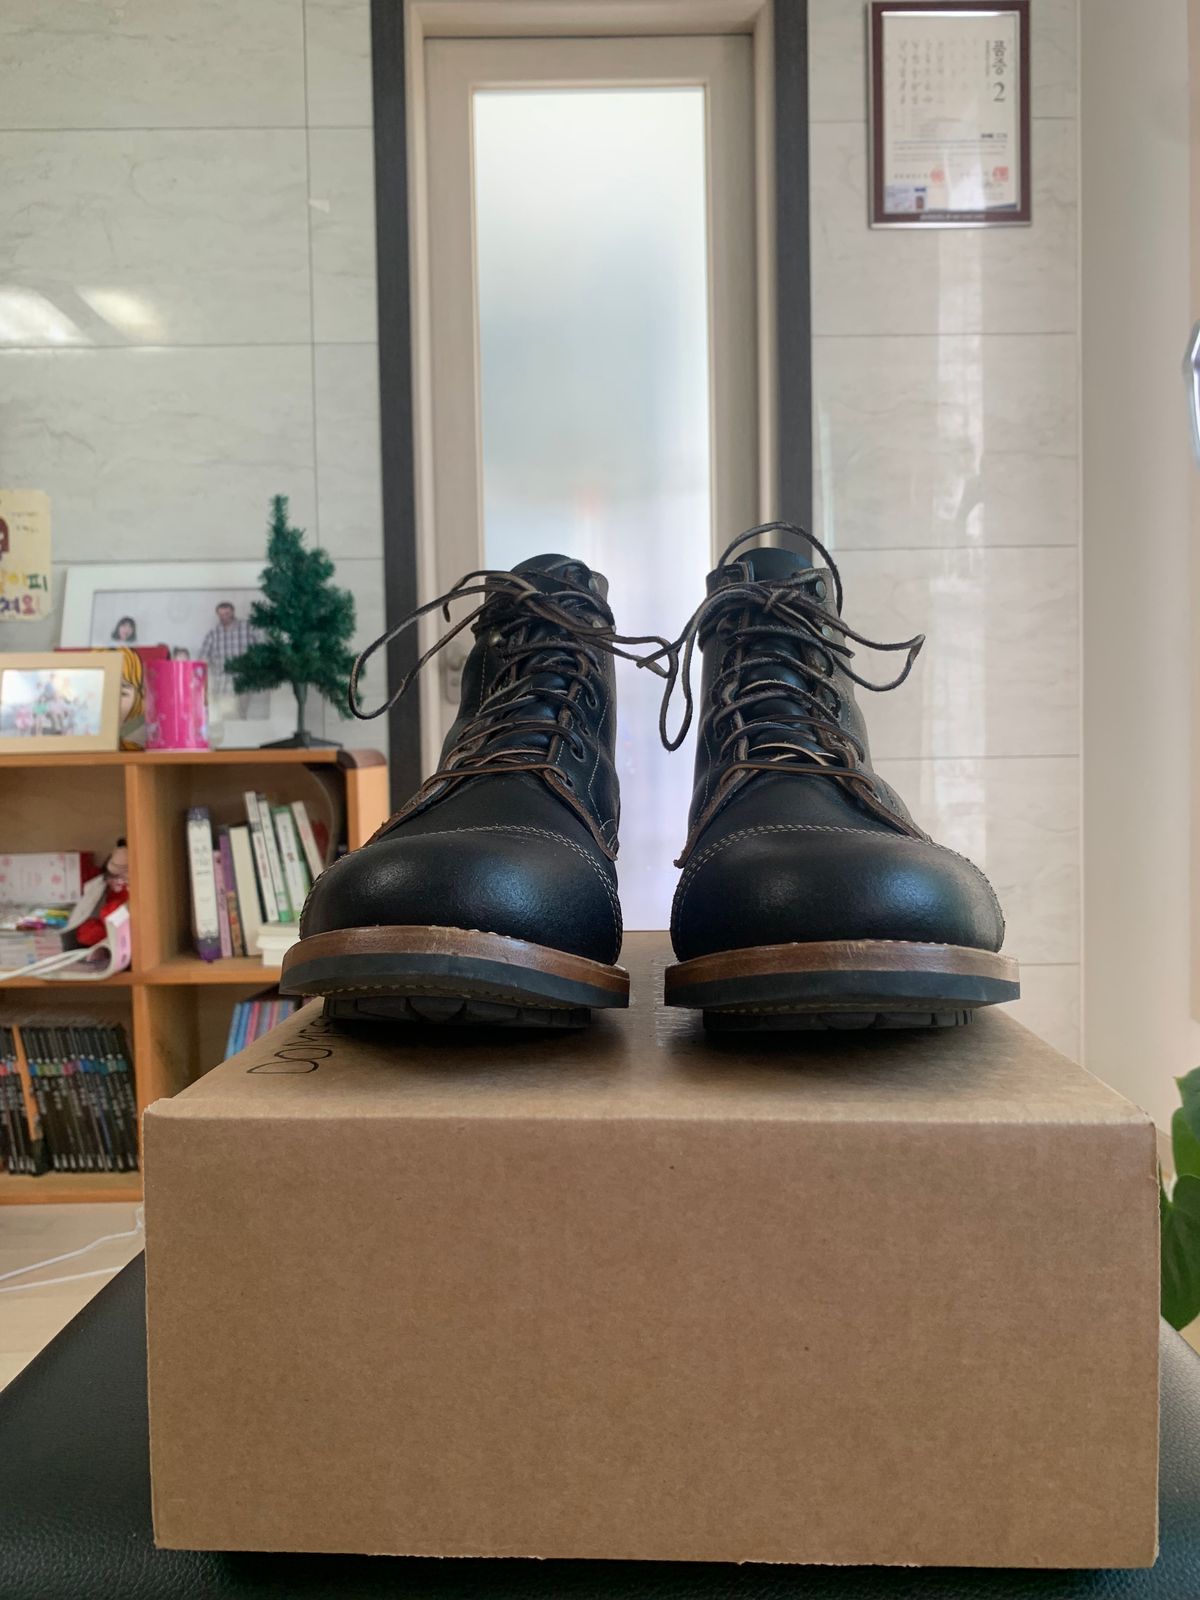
{"x":1189,"y":1093}
{"x":1179,"y":1214}
{"x":1185,"y":1147}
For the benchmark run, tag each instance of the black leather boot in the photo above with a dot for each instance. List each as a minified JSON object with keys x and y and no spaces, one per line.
{"x":809,"y":897}
{"x":491,"y":895}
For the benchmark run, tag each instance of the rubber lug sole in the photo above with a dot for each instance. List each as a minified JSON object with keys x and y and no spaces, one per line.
{"x":449,"y":976}
{"x":842,"y":984}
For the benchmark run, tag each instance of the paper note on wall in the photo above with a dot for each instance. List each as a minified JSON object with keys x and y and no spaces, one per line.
{"x":24,"y":555}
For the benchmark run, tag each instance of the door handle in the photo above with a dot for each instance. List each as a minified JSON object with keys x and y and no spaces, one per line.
{"x":1191,"y":375}
{"x":453,"y":660}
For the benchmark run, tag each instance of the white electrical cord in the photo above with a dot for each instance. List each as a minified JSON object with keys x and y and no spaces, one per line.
{"x":139,"y":1226}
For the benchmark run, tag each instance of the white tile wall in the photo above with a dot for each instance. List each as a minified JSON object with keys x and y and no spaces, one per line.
{"x":945,"y":442}
{"x":342,"y":220}
{"x":152,"y":63}
{"x":187,"y":284}
{"x":154,"y":236}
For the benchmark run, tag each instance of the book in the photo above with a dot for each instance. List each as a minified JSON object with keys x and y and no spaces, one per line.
{"x":250,"y":912}
{"x":15,"y":1140}
{"x":206,"y":927}
{"x":258,"y":839}
{"x":53,"y":877}
{"x":222,"y":902}
{"x":67,"y":1101}
{"x":233,"y":909}
{"x":295,"y":867}
{"x":284,"y":908}
{"x":253,"y":1019}
{"x":275,"y":939}
{"x":308,"y":840}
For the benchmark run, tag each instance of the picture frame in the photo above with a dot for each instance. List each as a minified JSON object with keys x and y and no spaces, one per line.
{"x":174,"y":603}
{"x":949,"y":124}
{"x":56,"y":703}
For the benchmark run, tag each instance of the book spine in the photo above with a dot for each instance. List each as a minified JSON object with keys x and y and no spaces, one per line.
{"x":77,"y":1091}
{"x":10,"y":1097}
{"x":53,"y":1141}
{"x":275,"y":862}
{"x":233,"y":909}
{"x":295,"y":869}
{"x":81,"y":1131}
{"x":249,"y":901}
{"x":206,"y":927}
{"x":65,"y":1044}
{"x":19,"y":1157}
{"x":308,"y":840}
{"x":5,"y":1126}
{"x":223,"y":928}
{"x":113,"y":1048}
{"x":33,"y":1137}
{"x":258,"y":839}
{"x":235,"y":1016}
{"x":41,"y":1098}
{"x":117,"y":1049}
{"x":113,"y":1117}
{"x":97,"y":1085}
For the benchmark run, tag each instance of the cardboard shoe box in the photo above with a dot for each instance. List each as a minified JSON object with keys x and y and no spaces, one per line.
{"x":635,"y":1293}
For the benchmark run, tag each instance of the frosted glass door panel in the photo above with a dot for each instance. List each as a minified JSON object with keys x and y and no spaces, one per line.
{"x":591,"y":232}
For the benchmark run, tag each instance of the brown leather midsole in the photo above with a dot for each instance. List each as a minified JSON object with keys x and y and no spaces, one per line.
{"x":842,"y":955}
{"x":471,"y":943}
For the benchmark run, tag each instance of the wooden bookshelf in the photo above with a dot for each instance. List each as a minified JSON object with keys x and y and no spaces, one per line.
{"x":174,"y":1007}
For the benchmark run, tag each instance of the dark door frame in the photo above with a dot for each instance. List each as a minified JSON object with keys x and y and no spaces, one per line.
{"x":793,"y":329}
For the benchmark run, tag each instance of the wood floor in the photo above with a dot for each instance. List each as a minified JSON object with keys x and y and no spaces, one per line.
{"x":28,"y":1234}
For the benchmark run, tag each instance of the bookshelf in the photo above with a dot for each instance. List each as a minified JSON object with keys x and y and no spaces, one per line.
{"x":174,"y":1007}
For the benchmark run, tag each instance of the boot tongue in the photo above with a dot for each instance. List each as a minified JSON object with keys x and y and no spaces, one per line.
{"x":760,"y":565}
{"x":553,"y":569}
{"x":767,"y":565}
{"x":551,"y":573}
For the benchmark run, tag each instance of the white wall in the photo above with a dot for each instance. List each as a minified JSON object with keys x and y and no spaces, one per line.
{"x":1137,"y":621}
{"x":187,"y":295}
{"x":946,"y":441}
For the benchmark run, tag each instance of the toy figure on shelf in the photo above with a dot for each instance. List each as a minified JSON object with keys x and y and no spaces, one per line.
{"x":115,"y":895}
{"x":133,"y":700}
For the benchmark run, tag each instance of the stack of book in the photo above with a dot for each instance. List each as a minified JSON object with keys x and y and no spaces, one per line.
{"x":252,"y":873}
{"x":252,"y":1018}
{"x":39,"y":894}
{"x":67,"y":1099}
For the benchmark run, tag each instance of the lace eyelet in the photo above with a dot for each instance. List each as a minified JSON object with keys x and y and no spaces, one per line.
{"x":568,"y":780}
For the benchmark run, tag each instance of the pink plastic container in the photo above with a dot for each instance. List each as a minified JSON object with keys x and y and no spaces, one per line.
{"x":177,"y":705}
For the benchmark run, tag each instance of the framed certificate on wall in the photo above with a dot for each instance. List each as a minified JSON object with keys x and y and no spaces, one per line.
{"x":949,"y":125}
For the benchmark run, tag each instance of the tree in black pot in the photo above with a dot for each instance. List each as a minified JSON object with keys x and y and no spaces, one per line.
{"x":304,"y":625}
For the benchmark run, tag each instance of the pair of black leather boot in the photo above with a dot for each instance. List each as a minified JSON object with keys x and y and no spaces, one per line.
{"x":808,"y":896}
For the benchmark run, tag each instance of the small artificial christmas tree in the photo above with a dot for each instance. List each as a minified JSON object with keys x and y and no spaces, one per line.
{"x":305,"y":623}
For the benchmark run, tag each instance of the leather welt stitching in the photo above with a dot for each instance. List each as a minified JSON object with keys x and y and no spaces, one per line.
{"x":693,"y":866}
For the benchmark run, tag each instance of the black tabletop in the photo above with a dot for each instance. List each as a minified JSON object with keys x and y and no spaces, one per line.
{"x":75,"y":1511}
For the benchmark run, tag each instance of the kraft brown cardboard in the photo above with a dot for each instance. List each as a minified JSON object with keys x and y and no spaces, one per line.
{"x":637,"y":1293}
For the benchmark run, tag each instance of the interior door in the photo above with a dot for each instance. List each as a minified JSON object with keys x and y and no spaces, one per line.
{"x":593,"y":349}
